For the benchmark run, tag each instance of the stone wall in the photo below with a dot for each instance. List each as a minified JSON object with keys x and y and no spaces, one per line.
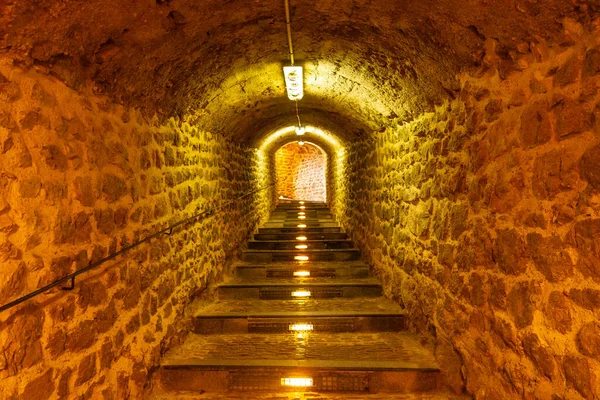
{"x":80,"y":178}
{"x":483,"y":220}
{"x":301,"y":172}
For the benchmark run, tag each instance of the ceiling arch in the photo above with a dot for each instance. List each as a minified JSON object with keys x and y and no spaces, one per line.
{"x":218,"y":62}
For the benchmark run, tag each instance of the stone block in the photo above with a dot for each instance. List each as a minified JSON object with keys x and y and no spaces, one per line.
{"x":521,"y":304}
{"x":591,"y":65}
{"x":553,"y":172}
{"x":106,"y":317}
{"x":580,"y":376}
{"x":9,"y":91}
{"x":509,"y":252}
{"x":86,"y":369}
{"x":586,"y":234}
{"x":569,"y":72}
{"x":113,"y":188}
{"x":588,"y":340}
{"x":54,"y":157}
{"x":558,"y":312}
{"x":84,"y":192}
{"x":549,"y":257}
{"x":590,"y":167}
{"x":40,"y":388}
{"x":30,"y":187}
{"x":571,"y":119}
{"x":586,"y":298}
{"x":82,"y":337}
{"x":536,"y":127}
{"x":541,"y":355}
{"x":493,"y":109}
{"x":107,"y":355}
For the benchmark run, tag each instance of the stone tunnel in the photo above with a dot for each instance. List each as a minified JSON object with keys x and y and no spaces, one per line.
{"x":462,"y":148}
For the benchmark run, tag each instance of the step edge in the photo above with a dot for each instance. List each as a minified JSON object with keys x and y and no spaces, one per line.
{"x":307,"y":364}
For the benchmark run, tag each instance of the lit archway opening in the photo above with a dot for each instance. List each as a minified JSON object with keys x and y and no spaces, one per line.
{"x":301,"y":171}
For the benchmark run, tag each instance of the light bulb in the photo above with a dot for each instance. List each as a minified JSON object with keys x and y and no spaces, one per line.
{"x":300,"y":130}
{"x":301,"y":143}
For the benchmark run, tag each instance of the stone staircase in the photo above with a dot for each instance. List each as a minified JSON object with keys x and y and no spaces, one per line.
{"x":301,"y":319}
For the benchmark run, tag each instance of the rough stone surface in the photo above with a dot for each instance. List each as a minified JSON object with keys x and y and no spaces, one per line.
{"x":466,"y":170}
{"x":301,"y":172}
{"x":364,"y":67}
{"x":87,"y":197}
{"x":514,"y":289}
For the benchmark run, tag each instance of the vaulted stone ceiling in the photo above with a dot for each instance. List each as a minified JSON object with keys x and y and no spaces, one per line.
{"x":218,"y":63}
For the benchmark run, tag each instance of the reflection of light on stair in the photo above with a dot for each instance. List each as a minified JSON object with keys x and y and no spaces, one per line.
{"x":301,"y":226}
{"x":301,"y":258}
{"x":301,"y":274}
{"x":301,"y":202}
{"x":301,"y":217}
{"x":301,"y":238}
{"x":301,"y":327}
{"x":302,"y":207}
{"x":301,"y":293}
{"x":301,"y":213}
{"x":301,"y":246}
{"x":297,"y":382}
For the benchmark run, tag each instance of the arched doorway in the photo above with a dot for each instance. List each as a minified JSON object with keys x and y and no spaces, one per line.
{"x":301,"y":171}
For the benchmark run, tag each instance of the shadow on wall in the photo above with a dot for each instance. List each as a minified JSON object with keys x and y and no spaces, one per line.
{"x":301,"y":172}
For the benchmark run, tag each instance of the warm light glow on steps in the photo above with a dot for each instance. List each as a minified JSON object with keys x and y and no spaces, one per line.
{"x":301,"y":238}
{"x":301,"y":293}
{"x":301,"y":202}
{"x":301,"y":258}
{"x":301,"y":217}
{"x":301,"y":327}
{"x":302,"y":246}
{"x":297,"y":382}
{"x":301,"y":226}
{"x":301,"y":274}
{"x":301,"y":213}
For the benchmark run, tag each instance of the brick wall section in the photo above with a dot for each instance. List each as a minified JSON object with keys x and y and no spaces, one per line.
{"x":80,"y":178}
{"x":483,"y":220}
{"x":301,"y":172}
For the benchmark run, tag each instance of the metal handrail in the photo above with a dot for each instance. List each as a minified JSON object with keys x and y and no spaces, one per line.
{"x":166,"y":231}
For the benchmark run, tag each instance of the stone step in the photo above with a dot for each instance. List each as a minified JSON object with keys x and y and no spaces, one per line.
{"x":350,"y":362}
{"x":307,"y":224}
{"x":159,"y":394}
{"x":332,"y":270}
{"x":264,"y":256}
{"x":300,"y":245}
{"x":332,"y":315}
{"x":294,"y":211}
{"x":295,"y":230}
{"x":289,"y":289}
{"x":308,"y":236}
{"x":307,"y":205}
{"x":294,"y":218}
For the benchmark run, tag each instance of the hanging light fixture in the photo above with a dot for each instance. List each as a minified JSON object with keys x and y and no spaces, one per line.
{"x":301,"y":143}
{"x":293,"y":82}
{"x":300,"y":130}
